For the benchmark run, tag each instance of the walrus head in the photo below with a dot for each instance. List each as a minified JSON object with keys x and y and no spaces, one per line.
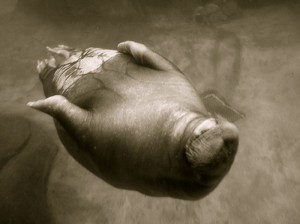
{"x":210,"y":149}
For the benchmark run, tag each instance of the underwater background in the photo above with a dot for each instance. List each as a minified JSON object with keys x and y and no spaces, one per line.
{"x":246,"y":50}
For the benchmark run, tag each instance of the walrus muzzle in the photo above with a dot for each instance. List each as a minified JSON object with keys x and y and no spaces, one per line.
{"x":211,"y":151}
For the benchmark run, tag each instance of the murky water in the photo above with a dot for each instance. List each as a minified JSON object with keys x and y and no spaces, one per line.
{"x":252,"y":60}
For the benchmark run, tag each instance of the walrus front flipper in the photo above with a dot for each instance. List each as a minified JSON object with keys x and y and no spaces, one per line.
{"x":144,"y":56}
{"x":72,"y":117}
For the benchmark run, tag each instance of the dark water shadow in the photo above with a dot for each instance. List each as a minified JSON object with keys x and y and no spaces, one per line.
{"x":26,"y":157}
{"x":227,"y":62}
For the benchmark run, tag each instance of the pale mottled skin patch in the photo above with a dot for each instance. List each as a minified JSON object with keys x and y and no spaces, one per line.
{"x":80,"y":64}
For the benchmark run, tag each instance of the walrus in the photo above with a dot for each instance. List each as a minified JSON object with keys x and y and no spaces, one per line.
{"x":132,"y":118}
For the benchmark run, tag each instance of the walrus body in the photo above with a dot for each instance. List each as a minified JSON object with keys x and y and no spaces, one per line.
{"x":135,"y":121}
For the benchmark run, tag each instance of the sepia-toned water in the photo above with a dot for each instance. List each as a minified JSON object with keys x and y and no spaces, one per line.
{"x":251,"y":59}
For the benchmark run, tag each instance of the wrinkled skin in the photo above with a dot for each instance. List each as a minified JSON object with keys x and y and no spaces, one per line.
{"x":132,"y":118}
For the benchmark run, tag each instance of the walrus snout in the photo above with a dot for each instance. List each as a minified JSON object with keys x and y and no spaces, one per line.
{"x":212,"y":148}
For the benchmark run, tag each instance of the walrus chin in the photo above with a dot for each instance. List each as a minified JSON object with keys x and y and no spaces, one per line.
{"x":211,"y":148}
